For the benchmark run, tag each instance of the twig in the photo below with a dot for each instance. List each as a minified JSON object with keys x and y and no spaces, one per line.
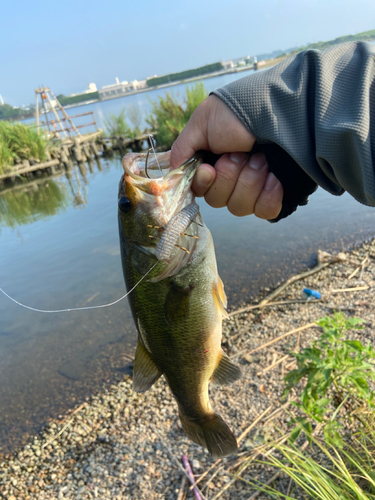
{"x":73,"y":412}
{"x":277,"y":303}
{"x":275,"y":476}
{"x":212,"y":477}
{"x":362,"y":264}
{"x":353,"y":289}
{"x":253,"y":424}
{"x":300,"y":329}
{"x":289,"y":486}
{"x":65,"y":426}
{"x":205,"y":473}
{"x":229,"y":484}
{"x":186,"y":463}
{"x":257,"y":493}
{"x":182,"y":494}
{"x":173,"y":456}
{"x":273,"y":365}
{"x":295,"y":278}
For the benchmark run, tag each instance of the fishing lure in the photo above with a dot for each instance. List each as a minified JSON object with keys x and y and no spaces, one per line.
{"x":174,"y":229}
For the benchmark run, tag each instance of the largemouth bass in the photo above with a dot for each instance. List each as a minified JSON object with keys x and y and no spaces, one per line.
{"x":178,"y":306}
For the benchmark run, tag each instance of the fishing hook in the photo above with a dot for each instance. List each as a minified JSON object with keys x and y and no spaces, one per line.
{"x":151,"y":140}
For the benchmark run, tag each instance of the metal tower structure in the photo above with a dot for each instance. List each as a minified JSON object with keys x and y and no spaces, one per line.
{"x":61,"y":125}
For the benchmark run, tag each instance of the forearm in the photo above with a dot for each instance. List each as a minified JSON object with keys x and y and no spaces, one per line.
{"x":315,"y":111}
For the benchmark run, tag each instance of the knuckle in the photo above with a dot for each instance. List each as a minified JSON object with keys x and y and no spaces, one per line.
{"x":267,"y":210}
{"x":238,"y":211}
{"x":240,"y":208}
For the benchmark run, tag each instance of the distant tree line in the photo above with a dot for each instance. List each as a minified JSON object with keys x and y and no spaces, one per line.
{"x":359,"y":37}
{"x":183,"y":75}
{"x":64,"y":100}
{"x":7,"y":112}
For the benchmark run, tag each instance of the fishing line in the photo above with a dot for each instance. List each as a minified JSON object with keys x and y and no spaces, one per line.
{"x":79,"y":308}
{"x":151,"y":140}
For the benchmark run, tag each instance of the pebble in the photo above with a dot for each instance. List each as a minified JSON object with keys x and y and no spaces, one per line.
{"x":124,"y":445}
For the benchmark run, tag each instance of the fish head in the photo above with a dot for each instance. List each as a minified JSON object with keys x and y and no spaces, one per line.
{"x":151,"y":193}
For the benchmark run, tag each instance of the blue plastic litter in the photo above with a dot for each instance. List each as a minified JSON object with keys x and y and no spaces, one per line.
{"x":308,"y":293}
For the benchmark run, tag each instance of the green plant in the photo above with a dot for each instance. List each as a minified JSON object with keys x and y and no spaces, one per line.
{"x":324,"y":472}
{"x":116,"y":125}
{"x":170,"y":114}
{"x":340,"y":462}
{"x":22,"y":141}
{"x":336,"y":372}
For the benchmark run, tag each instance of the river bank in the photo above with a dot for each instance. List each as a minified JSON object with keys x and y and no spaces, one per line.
{"x":263,"y":65}
{"x":117,"y":445}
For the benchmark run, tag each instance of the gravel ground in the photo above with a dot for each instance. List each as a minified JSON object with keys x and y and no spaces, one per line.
{"x":120,"y":445}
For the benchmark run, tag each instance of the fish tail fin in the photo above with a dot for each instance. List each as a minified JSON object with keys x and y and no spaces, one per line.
{"x":212,"y":433}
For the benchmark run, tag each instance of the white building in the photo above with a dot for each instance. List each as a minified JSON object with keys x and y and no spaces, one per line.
{"x":1,"y":100}
{"x":91,"y":87}
{"x":228,"y":65}
{"x":120,"y":88}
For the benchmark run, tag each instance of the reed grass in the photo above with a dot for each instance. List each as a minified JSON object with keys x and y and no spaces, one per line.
{"x":324,"y":472}
{"x":170,"y":114}
{"x":22,"y":141}
{"x":337,"y":460}
{"x":116,"y":125}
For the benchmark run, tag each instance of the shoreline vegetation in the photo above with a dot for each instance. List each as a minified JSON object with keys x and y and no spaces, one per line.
{"x":7,"y":112}
{"x":122,"y":445}
{"x":22,"y":145}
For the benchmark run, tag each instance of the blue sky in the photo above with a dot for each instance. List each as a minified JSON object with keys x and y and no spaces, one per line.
{"x":66,"y":45}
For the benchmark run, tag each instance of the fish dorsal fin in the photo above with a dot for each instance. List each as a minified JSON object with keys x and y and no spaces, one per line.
{"x":226,"y":372}
{"x":177,"y":302}
{"x":220,"y":297}
{"x":145,"y":372}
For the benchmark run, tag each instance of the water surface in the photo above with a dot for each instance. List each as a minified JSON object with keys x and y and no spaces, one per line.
{"x":59,"y":249}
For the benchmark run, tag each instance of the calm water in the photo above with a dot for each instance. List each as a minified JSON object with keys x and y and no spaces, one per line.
{"x":59,"y":249}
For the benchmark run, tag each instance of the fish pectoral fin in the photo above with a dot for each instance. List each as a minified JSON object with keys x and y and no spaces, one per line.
{"x":212,"y":433}
{"x":145,"y":372}
{"x":226,"y":372}
{"x":220,"y":297}
{"x":176,"y":305}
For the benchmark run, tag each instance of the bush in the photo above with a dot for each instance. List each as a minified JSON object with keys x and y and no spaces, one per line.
{"x":338,"y":422}
{"x":22,"y":141}
{"x":116,"y":125}
{"x":170,"y":115}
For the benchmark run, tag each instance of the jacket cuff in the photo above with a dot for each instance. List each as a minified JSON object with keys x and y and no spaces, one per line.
{"x":296,"y":183}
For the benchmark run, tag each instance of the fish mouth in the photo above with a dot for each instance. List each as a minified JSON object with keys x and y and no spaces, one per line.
{"x":149,"y":181}
{"x":145,"y":166}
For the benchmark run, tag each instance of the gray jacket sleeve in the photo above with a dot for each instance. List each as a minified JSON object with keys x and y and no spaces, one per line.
{"x":313,"y":115}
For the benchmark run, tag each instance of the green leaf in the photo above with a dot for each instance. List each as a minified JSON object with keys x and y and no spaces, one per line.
{"x":354,"y":344}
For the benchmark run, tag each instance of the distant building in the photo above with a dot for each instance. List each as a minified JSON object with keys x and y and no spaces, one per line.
{"x":228,"y":65}
{"x":1,"y":100}
{"x":91,"y":87}
{"x":120,"y":88}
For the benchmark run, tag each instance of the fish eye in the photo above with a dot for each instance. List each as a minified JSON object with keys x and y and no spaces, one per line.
{"x":124,"y":204}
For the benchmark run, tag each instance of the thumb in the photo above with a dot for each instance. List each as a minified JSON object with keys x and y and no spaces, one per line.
{"x":192,"y":138}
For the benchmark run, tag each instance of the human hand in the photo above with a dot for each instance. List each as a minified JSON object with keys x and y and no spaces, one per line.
{"x":242,"y":184}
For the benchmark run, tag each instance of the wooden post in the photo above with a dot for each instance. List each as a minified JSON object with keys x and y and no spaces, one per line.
{"x":77,"y":151}
{"x":86,"y":149}
{"x":94,"y":149}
